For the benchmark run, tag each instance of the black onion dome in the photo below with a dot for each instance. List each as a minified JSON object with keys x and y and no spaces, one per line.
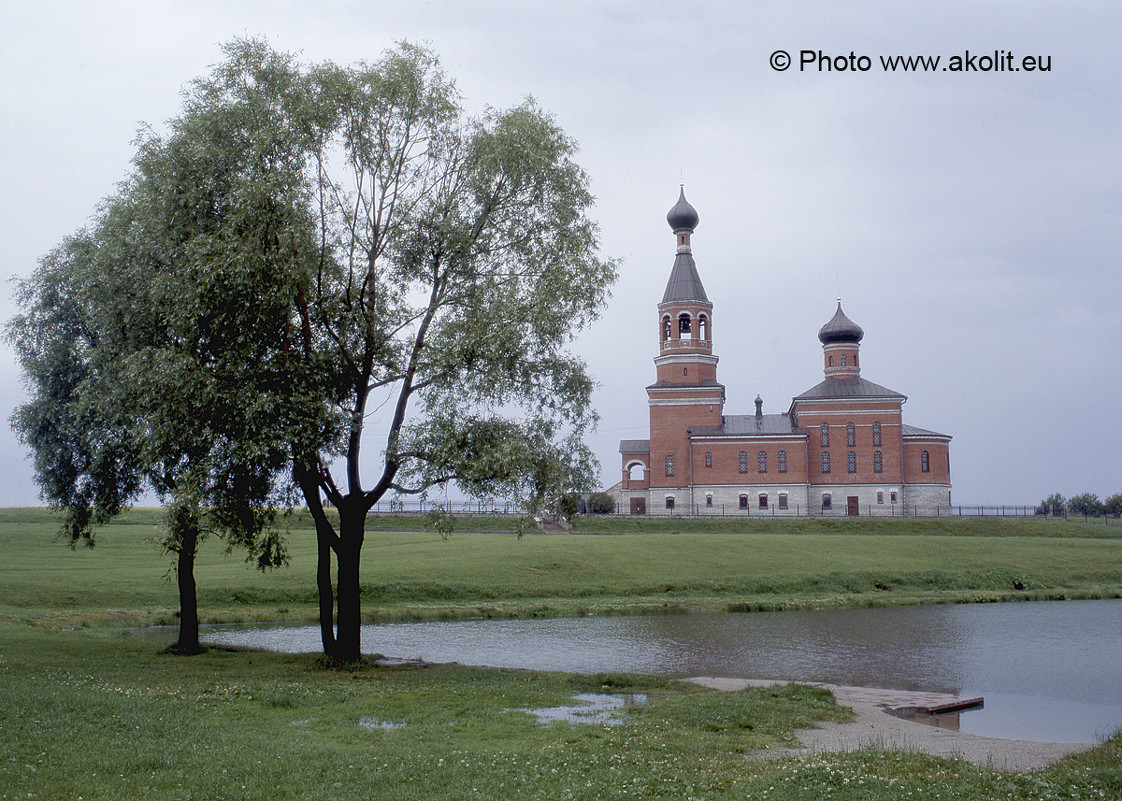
{"x":840,"y":329}
{"x":683,"y":217}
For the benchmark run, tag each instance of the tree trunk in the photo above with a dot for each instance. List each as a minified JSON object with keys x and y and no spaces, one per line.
{"x":188,"y":642}
{"x":326,"y":591}
{"x":352,"y":526}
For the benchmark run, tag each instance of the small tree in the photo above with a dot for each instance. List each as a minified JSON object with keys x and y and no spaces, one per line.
{"x":1087,"y":503}
{"x":1052,"y":505}
{"x":1113,"y":504}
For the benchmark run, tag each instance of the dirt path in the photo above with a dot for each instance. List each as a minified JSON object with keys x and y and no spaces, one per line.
{"x":873,"y":726}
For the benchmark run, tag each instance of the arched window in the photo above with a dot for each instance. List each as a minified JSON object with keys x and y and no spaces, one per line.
{"x":850,"y":435}
{"x":851,"y":462}
{"x":876,"y":433}
{"x":684,"y":326}
{"x":831,"y":361}
{"x":666,"y":328}
{"x":669,"y":464}
{"x":827,"y":501}
{"x":854,"y":359}
{"x":669,"y":501}
{"x":743,"y":501}
{"x":825,"y":461}
{"x":703,"y":328}
{"x":635,"y":471}
{"x":743,"y":461}
{"x":925,"y":462}
{"x":708,"y":500}
{"x":708,"y":459}
{"x":783,"y":500}
{"x":824,"y":429}
{"x":843,"y":360}
{"x":763,"y":500}
{"x":878,"y":462}
{"x":761,"y":462}
{"x":782,"y":460}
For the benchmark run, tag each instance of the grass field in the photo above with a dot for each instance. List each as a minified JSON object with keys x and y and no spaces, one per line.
{"x":89,"y":711}
{"x":418,"y":574}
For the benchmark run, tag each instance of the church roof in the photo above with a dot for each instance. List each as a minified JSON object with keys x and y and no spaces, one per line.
{"x":748,"y":424}
{"x":855,"y":387}
{"x":684,"y":283}
{"x":683,"y":217}
{"x":915,"y":431}
{"x":840,"y":329}
{"x":634,"y":446}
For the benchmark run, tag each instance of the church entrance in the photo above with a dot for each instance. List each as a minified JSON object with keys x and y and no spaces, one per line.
{"x":638,"y":506}
{"x":853,"y":506}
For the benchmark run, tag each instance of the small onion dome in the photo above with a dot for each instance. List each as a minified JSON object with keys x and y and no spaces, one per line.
{"x":683,"y":217}
{"x":840,"y":329}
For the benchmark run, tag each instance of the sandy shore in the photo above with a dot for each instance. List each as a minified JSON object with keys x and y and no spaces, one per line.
{"x":873,"y":726}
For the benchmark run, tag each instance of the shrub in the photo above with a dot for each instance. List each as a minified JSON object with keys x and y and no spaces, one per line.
{"x":601,"y":503}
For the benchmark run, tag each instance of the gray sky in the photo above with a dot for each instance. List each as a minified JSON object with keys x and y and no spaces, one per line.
{"x":970,"y":220}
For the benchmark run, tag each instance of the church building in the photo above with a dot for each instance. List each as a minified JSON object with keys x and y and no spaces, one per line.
{"x":842,"y":448}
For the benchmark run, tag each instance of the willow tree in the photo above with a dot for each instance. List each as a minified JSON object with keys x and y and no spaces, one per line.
{"x":154,"y":342}
{"x":459,"y":260}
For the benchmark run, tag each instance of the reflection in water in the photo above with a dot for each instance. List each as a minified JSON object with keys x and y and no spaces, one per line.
{"x":1048,"y":671}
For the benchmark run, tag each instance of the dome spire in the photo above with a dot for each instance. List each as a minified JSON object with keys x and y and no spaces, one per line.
{"x":683,"y":217}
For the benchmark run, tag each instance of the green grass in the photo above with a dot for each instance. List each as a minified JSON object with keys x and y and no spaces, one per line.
{"x":100,"y":714}
{"x":418,"y":574}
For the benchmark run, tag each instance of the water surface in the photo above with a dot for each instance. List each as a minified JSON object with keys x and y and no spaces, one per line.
{"x":1049,"y":671}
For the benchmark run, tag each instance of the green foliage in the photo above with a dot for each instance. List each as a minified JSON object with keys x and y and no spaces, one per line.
{"x":1086,"y":503}
{"x":601,"y":503}
{"x":1054,"y":504}
{"x":1113,"y":504}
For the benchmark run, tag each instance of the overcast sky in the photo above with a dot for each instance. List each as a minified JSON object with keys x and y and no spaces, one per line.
{"x":970,"y":220}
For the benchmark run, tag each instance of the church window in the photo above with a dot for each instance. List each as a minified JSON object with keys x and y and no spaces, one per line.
{"x":782,"y":459}
{"x":824,"y":430}
{"x":684,"y":327}
{"x":703,"y":327}
{"x":854,"y":359}
{"x":827,"y":501}
{"x":685,"y":371}
{"x":669,"y":464}
{"x":783,"y":500}
{"x":850,"y":435}
{"x":763,"y":500}
{"x":669,"y":501}
{"x":666,"y":328}
{"x":708,"y":500}
{"x":825,"y":461}
{"x":925,"y":462}
{"x":761,"y":462}
{"x":851,"y":462}
{"x":843,"y":360}
{"x":743,"y":461}
{"x":878,"y":462}
{"x":743,"y":501}
{"x":892,"y":496}
{"x":880,"y":496}
{"x":708,"y":458}
{"x":876,"y":433}
{"x":831,"y":361}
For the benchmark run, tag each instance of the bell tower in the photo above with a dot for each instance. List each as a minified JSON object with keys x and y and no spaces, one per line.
{"x":686,"y":392}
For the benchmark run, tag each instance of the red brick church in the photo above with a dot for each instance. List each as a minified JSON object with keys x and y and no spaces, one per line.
{"x":842,"y":448}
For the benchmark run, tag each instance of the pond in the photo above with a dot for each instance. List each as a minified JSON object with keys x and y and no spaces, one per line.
{"x":1049,"y":671}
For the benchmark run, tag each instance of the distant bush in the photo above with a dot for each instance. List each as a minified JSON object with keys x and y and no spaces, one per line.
{"x":1113,"y":504}
{"x":601,"y":503}
{"x":1052,"y":505}
{"x":1087,"y":503}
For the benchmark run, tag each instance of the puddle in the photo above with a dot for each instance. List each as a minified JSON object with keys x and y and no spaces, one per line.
{"x":374,"y":724}
{"x":594,"y":708}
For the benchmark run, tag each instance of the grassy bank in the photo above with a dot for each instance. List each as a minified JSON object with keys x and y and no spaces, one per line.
{"x":417,"y":574}
{"x":98,"y":714}
{"x":90,"y":711}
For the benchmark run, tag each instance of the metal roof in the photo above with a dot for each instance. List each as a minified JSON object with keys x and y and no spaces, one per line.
{"x":634,"y":446}
{"x":915,"y":431}
{"x":855,"y":387}
{"x":748,"y":424}
{"x":684,"y":283}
